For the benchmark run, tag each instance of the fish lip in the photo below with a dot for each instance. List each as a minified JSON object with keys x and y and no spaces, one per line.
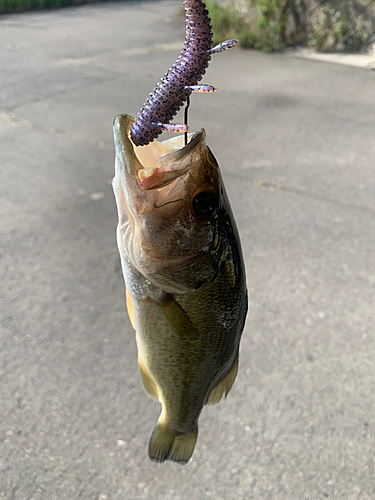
{"x":198,"y":137}
{"x":123,"y":145}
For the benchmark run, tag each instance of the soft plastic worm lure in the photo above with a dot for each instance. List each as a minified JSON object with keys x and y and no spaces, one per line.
{"x":175,"y":87}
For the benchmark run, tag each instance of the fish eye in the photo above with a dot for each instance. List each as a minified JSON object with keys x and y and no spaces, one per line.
{"x":205,"y":204}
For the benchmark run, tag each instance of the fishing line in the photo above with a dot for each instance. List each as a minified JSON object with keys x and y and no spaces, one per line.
{"x":186,"y":117}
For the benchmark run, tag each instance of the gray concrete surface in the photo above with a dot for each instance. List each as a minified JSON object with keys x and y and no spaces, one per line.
{"x":295,"y":141}
{"x":359,"y":60}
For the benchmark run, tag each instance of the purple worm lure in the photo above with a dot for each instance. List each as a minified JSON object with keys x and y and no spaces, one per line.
{"x":175,"y":87}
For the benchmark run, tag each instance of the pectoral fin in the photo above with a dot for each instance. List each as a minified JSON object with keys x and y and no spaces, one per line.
{"x":148,"y":383}
{"x":178,"y":318}
{"x":224,"y":386}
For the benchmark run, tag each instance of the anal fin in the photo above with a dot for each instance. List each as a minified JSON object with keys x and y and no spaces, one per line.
{"x":167,"y":444}
{"x":224,"y":386}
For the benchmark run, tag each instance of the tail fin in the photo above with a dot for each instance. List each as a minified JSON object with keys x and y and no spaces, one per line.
{"x":167,"y":444}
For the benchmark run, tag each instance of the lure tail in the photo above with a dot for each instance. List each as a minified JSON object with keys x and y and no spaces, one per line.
{"x":175,"y":87}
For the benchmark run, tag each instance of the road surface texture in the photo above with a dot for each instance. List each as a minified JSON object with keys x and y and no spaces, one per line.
{"x":295,"y":141}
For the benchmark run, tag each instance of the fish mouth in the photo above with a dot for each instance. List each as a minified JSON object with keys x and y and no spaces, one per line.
{"x":159,"y":163}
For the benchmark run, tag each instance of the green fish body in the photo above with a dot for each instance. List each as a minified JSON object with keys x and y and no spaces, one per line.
{"x":184,"y":276}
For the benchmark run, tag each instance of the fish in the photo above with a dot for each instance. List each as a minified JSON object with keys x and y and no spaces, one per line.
{"x":182,"y":264}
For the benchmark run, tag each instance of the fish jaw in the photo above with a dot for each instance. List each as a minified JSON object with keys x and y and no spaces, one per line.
{"x":155,"y":186}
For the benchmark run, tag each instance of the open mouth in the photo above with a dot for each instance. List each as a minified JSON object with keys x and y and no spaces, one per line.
{"x":163,"y":162}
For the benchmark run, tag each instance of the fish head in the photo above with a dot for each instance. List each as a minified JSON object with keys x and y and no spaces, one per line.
{"x":169,"y":198}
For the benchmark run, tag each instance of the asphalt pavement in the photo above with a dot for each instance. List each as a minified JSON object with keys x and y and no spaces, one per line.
{"x":295,"y":142}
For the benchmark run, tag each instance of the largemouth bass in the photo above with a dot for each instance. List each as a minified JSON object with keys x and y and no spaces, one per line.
{"x":184,"y":276}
